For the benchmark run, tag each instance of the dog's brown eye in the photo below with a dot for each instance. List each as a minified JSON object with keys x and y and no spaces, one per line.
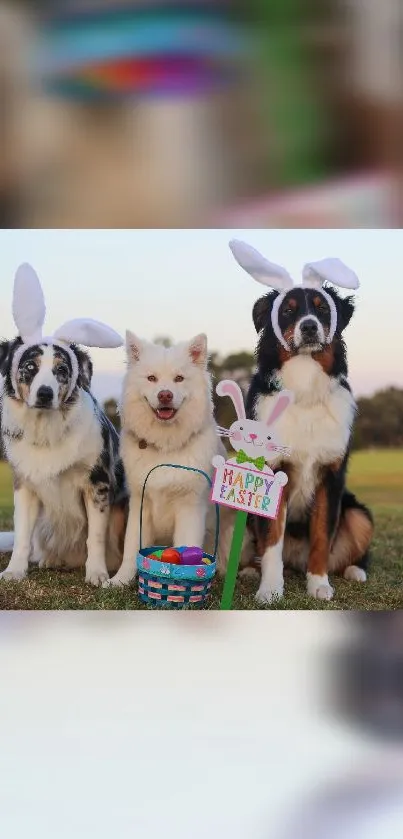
{"x":179,"y":378}
{"x":62,"y":370}
{"x":152,"y":378}
{"x":287,"y":312}
{"x":31,"y":367}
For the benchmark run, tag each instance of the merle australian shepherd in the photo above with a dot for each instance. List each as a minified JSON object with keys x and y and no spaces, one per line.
{"x":322,"y":528}
{"x":69,"y":487}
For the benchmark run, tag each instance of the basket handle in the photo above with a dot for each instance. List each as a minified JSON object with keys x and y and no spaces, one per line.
{"x":187,"y":469}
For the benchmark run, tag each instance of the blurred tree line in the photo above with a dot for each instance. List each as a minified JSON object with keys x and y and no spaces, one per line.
{"x":379,"y":422}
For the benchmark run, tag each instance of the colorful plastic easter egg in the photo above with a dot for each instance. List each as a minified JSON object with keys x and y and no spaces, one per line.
{"x":181,"y":549}
{"x":207,"y":561}
{"x":171,"y":555}
{"x":192,"y":556}
{"x":153,"y":556}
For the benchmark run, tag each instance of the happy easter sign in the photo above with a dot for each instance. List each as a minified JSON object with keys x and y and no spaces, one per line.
{"x":248,"y":490}
{"x":246,"y":482}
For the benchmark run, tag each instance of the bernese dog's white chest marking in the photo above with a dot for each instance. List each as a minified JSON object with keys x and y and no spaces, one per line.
{"x":316,"y":427}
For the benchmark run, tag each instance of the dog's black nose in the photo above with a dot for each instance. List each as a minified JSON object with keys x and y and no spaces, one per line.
{"x":309,"y":328}
{"x":44,"y":396}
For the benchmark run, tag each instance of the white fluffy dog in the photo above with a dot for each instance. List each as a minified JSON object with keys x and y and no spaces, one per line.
{"x":167,"y":417}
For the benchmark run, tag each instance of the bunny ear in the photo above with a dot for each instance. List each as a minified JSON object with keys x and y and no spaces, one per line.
{"x":29,"y":308}
{"x":330,"y":270}
{"x":265,"y":272}
{"x":231,"y":389}
{"x":89,"y":333}
{"x":282,"y":402}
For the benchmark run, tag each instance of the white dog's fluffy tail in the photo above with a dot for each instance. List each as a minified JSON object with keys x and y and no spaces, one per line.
{"x":6,"y":542}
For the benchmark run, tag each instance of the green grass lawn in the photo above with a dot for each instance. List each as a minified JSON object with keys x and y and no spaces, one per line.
{"x":376,"y":477}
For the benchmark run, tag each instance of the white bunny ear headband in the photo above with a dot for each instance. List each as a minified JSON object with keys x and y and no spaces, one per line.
{"x":29,"y":312}
{"x":314,"y":275}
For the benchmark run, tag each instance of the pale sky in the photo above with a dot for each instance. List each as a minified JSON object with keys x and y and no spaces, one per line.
{"x":182,"y":282}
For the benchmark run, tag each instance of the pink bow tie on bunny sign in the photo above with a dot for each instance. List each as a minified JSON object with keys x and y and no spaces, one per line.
{"x":246,"y":482}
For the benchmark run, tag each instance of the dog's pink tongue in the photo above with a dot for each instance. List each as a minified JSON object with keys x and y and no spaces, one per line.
{"x":165,"y":413}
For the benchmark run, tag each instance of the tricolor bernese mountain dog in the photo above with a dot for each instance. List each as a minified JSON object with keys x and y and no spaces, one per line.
{"x":322,"y":528}
{"x":69,"y":486}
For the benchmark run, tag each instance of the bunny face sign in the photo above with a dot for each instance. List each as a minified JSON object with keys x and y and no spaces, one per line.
{"x":246,"y":482}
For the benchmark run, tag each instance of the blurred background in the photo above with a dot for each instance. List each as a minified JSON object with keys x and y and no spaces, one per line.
{"x":249,"y":739}
{"x":153,"y":113}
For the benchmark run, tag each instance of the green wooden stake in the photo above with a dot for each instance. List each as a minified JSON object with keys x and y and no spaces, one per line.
{"x":233,"y":561}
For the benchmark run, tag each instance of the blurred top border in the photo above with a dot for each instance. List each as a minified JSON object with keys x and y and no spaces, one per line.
{"x":70,"y":9}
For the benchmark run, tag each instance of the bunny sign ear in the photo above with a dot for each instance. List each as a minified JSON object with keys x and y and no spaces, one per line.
{"x":29,"y":308}
{"x":89,"y":333}
{"x":329,"y":270}
{"x":285,"y":398}
{"x":231,"y":389}
{"x":265,"y":272}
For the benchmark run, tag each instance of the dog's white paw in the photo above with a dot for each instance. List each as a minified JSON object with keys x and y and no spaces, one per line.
{"x":96,"y":576}
{"x":265,"y":595}
{"x":318,"y":586}
{"x":119,"y":581}
{"x":12,"y":576}
{"x":355,"y":574}
{"x":324,"y":593}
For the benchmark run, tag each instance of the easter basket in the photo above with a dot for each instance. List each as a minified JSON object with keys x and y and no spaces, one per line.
{"x":166,"y":584}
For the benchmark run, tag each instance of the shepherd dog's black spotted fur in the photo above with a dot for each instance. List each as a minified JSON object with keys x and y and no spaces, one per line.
{"x":64,"y":454}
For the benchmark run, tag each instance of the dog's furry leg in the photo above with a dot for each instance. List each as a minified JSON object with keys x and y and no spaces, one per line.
{"x":96,"y":571}
{"x":272,"y":582}
{"x":128,"y":569}
{"x":37,"y":557}
{"x":26,"y":508}
{"x":190,"y":523}
{"x":350,"y":550}
{"x":318,"y":585}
